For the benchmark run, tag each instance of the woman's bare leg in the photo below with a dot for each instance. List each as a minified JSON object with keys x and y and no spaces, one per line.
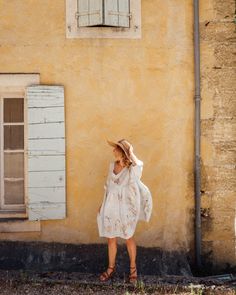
{"x":131,"y":247}
{"x":112,"y":250}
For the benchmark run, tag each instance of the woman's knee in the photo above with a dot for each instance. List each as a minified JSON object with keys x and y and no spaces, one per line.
{"x":130,"y":241}
{"x":111,"y":240}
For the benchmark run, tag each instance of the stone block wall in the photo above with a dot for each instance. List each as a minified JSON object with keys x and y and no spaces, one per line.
{"x":218,"y":132}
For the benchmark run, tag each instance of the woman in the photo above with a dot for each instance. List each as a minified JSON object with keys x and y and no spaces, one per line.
{"x":126,"y":200}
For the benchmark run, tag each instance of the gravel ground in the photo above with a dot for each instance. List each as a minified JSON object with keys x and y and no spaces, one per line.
{"x":56,"y":283}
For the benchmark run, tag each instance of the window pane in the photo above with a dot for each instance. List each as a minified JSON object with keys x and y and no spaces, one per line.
{"x":14,"y":165}
{"x":14,"y":137}
{"x":13,"y":109}
{"x":14,"y":192}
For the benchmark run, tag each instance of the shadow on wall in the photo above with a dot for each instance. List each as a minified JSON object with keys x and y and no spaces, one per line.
{"x":92,"y":258}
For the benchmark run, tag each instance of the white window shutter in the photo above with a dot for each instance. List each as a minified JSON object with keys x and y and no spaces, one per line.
{"x":124,"y":13}
{"x":90,"y":13}
{"x":111,"y":12}
{"x":46,"y":152}
{"x":117,"y":13}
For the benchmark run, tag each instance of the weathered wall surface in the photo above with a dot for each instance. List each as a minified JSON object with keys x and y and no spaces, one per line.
{"x":140,"y":89}
{"x":218,"y":66}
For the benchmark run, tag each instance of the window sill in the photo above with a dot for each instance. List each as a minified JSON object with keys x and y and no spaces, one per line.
{"x":12,"y":214}
{"x":13,"y":225}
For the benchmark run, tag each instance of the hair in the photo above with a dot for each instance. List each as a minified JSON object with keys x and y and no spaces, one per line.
{"x":125,"y":160}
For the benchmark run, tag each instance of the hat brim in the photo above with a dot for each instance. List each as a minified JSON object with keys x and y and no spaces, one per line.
{"x":112,"y":143}
{"x":121,"y":146}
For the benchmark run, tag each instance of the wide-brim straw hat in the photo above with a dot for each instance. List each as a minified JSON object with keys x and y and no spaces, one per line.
{"x":123,"y":144}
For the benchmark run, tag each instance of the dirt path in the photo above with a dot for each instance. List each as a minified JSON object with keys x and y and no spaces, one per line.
{"x":56,"y":283}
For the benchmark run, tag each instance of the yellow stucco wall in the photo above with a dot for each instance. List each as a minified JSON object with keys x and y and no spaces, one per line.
{"x":140,"y":89}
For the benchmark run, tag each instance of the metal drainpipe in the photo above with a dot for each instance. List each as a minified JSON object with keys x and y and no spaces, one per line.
{"x":197,"y":138}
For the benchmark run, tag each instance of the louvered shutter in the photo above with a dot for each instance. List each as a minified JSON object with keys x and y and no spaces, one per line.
{"x":117,"y":13}
{"x":46,"y":152}
{"x":90,"y":13}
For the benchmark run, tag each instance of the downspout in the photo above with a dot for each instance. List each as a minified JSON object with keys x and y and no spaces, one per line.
{"x":197,"y":138}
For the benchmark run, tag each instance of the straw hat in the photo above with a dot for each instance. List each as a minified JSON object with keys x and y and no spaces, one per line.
{"x":124,"y":145}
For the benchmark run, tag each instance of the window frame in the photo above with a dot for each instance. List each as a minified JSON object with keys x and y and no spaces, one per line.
{"x":73,"y":31}
{"x":15,"y":85}
{"x":11,"y":95}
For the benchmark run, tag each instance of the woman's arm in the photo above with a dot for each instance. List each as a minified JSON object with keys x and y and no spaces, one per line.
{"x":99,"y":208}
{"x":106,"y":184}
{"x":134,"y":159}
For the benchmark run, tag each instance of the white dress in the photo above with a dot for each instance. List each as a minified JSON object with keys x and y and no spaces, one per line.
{"x":120,"y":209}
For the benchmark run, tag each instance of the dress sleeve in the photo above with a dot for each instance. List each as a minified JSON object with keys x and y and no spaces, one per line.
{"x":138,"y":169}
{"x":108,"y":175}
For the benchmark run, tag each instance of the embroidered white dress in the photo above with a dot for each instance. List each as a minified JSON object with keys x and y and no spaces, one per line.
{"x":120,"y":209}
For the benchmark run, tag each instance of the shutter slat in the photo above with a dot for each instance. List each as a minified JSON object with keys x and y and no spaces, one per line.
{"x":44,"y":96}
{"x":46,"y":146}
{"x":47,"y":211}
{"x":56,"y":195}
{"x":46,"y":152}
{"x":46,"y":130}
{"x":46,"y":178}
{"x":52,"y":163}
{"x":49,"y":114}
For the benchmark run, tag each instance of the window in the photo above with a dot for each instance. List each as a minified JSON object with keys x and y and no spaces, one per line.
{"x":32,"y":148}
{"x":12,"y":152}
{"x":103,"y":18}
{"x":115,"y":13}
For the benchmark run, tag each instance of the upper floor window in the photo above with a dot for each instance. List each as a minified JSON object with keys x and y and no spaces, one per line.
{"x":115,"y":13}
{"x":103,"y":18}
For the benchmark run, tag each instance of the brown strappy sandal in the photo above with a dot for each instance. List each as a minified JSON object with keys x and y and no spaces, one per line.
{"x":105,"y":276}
{"x":132,"y":277}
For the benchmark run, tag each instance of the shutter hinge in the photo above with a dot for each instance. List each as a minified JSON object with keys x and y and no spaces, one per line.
{"x":78,"y":14}
{"x":129,"y":15}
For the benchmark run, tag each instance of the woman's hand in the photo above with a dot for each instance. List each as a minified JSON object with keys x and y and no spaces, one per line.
{"x":131,"y":150}
{"x":99,"y":208}
{"x":134,"y":159}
